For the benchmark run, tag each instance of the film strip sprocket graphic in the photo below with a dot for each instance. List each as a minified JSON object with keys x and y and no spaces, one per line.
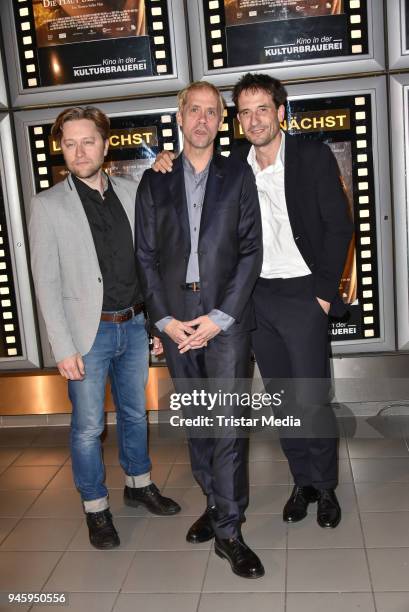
{"x":342,"y":122}
{"x":134,"y":142}
{"x":10,"y":340}
{"x":214,"y":11}
{"x":157,"y":25}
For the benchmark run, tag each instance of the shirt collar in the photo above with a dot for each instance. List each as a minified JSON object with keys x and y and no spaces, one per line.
{"x":85,"y":190}
{"x":279,"y":163}
{"x":188,"y":167}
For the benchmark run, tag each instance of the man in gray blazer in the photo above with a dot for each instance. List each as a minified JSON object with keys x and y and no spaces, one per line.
{"x":83,"y":262}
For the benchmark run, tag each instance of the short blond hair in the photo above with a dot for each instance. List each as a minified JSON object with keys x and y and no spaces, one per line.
{"x":183,"y":94}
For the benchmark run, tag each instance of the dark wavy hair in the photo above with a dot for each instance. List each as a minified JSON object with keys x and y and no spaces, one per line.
{"x":254,"y":82}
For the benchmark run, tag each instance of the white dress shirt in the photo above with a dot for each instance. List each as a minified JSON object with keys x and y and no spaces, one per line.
{"x":281,"y":257}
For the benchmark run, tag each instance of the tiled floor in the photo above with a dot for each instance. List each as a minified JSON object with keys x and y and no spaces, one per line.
{"x":363,"y":565}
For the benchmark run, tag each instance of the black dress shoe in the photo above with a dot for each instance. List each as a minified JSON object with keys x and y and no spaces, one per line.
{"x":296,"y":507}
{"x":329,"y":511}
{"x":244,"y":562}
{"x":202,"y":529}
{"x":151,"y":499}
{"x":102,"y":533}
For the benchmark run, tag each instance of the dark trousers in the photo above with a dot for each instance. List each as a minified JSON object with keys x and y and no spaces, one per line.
{"x":219,"y":461}
{"x":291,"y":344}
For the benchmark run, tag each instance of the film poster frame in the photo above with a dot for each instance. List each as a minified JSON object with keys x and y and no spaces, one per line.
{"x":206,"y":19}
{"x":25,"y":88}
{"x":398,"y":33}
{"x":372,"y":205}
{"x":17,"y":320}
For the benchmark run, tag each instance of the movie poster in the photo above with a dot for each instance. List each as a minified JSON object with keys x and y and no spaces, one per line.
{"x":10,"y":342}
{"x":333,"y":121}
{"x":134,"y":142}
{"x":407,"y":24}
{"x":270,"y":31}
{"x":91,"y":40}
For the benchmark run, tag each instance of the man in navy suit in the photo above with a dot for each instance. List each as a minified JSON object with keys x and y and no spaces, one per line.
{"x":199,"y":250}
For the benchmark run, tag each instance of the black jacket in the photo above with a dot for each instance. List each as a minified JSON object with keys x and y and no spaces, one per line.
{"x":318,"y":212}
{"x":230,"y":241}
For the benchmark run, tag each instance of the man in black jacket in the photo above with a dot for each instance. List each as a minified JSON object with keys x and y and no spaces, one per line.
{"x":306,"y":233}
{"x":199,"y":249}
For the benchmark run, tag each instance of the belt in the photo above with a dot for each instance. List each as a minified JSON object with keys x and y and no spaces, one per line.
{"x":121,"y":317}
{"x":195,"y":287}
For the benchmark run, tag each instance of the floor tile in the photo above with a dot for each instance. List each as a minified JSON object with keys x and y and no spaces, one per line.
{"x":336,"y":602}
{"x":327,"y":570}
{"x":17,"y":436}
{"x":63,"y":479}
{"x":366,"y":449}
{"x":16,"y":503}
{"x":182,"y":455}
{"x":47,"y":534}
{"x":97,"y":571}
{"x":262,"y":450}
{"x":308,"y":534}
{"x":387,"y":469}
{"x":154,"y":602}
{"x":268,"y":499}
{"x":386,"y":529}
{"x":79,"y":602}
{"x":241,"y":602}
{"x":389,"y":569}
{"x":382,"y":496}
{"x":220,"y":578}
{"x":6,"y":526}
{"x":24,"y":478}
{"x":166,"y":572}
{"x":43,"y":456}
{"x":268,"y":472}
{"x":344,"y":471}
{"x":53,"y":436}
{"x":169,"y":533}
{"x":165,"y":453}
{"x":265,"y":531}
{"x":343,"y":449}
{"x":130,"y":530}
{"x":58,"y":503}
{"x":392,"y":602}
{"x":8,"y":455}
{"x":191,"y":500}
{"x":26,"y":571}
{"x":181,"y":476}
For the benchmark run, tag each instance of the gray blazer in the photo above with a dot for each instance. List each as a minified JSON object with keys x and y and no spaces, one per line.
{"x":67,"y":276}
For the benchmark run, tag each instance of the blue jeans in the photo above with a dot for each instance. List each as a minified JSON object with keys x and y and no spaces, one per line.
{"x":120,"y":351}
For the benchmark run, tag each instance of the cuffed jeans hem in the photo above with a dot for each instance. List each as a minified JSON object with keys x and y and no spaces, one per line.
{"x":96,"y":505}
{"x":136,"y":482}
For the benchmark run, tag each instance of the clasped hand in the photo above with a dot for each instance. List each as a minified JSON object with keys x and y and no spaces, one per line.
{"x":193,"y":334}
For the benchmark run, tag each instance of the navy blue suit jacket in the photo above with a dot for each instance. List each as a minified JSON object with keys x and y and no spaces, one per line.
{"x":230,"y":241}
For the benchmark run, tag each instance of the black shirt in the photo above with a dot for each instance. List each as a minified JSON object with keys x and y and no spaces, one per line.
{"x":112,"y":236}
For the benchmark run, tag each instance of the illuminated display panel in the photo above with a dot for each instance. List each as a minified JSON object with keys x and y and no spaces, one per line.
{"x":347,"y":124}
{"x":297,"y":38}
{"x":139,"y":130}
{"x":398,"y":33}
{"x":118,"y":47}
{"x":18,"y":343}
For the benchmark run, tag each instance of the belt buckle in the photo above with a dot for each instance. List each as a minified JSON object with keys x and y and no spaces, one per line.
{"x":195,"y":288}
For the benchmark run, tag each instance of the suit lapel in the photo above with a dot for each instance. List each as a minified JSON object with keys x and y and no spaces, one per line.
{"x":213,"y":192}
{"x":127,"y":204}
{"x":178,"y":198}
{"x":291,"y":178}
